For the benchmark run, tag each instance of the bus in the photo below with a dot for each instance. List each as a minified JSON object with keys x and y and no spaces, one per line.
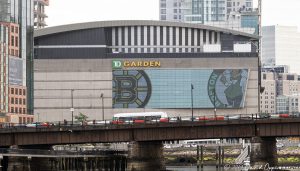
{"x":143,"y":117}
{"x":202,"y":142}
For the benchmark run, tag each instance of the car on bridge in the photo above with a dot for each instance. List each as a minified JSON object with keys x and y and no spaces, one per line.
{"x":38,"y":124}
{"x":98,"y":122}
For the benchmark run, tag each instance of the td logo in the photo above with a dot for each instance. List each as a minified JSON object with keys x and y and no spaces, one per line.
{"x":116,"y":64}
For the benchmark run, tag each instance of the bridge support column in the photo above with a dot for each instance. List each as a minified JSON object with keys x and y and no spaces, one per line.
{"x":263,"y":152}
{"x":146,"y":156}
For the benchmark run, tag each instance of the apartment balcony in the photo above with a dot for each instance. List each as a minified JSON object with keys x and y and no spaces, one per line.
{"x":40,"y":24}
{"x":43,"y":2}
{"x":41,"y":14}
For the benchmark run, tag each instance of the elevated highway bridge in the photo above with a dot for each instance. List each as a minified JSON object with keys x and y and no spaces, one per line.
{"x":146,"y":149}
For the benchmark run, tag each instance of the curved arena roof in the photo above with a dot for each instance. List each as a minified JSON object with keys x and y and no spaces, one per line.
{"x":120,"y":23}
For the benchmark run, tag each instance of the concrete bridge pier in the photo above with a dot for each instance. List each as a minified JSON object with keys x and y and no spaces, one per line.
{"x":263,"y":152}
{"x":145,"y":156}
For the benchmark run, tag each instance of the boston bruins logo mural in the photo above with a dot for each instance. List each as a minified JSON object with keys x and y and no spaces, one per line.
{"x":131,"y":89}
{"x":171,"y":88}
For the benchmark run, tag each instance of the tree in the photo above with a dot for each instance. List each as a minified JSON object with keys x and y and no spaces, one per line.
{"x":81,"y":117}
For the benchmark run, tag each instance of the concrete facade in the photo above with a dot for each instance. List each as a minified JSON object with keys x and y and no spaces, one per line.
{"x":281,"y":93}
{"x":268,"y":97}
{"x":58,"y":70}
{"x":280,"y":46}
{"x":89,"y":78}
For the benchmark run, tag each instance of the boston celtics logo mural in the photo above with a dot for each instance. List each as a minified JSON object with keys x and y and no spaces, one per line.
{"x":131,"y":89}
{"x":226,"y":88}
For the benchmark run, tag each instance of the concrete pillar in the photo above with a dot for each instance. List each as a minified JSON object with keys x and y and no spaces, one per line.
{"x":263,"y":151}
{"x":146,"y":156}
{"x":40,"y":163}
{"x":1,"y":157}
{"x":16,"y":164}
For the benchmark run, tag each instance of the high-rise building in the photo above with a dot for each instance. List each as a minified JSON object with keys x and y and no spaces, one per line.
{"x":16,"y":52}
{"x":287,"y":104}
{"x":200,"y":11}
{"x":280,"y":46}
{"x":40,"y":14}
{"x":231,"y":14}
{"x":268,"y":97}
{"x":171,"y":10}
{"x":281,"y":92}
{"x":239,"y":5}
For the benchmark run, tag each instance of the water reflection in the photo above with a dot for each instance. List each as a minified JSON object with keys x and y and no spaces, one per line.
{"x":194,"y":168}
{"x":213,"y":168}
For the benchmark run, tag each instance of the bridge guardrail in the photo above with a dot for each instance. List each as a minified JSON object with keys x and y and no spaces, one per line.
{"x":182,"y":119}
{"x":61,"y":152}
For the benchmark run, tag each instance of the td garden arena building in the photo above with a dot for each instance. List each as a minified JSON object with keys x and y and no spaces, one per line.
{"x":108,"y":67}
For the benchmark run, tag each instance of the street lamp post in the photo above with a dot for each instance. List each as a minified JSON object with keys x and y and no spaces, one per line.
{"x":102,"y":99}
{"x":215,"y":109}
{"x":192,"y":101}
{"x":72,"y":107}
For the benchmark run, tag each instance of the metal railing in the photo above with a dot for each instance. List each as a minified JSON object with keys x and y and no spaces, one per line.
{"x":37,"y":152}
{"x":244,"y":154}
{"x":158,"y":121}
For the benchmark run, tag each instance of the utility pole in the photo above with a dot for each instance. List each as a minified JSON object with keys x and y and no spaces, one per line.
{"x":192,"y":101}
{"x":259,"y":51}
{"x":102,"y":99}
{"x":215,"y":109}
{"x":72,"y":107}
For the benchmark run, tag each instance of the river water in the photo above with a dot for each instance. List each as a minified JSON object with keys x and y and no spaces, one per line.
{"x":191,"y":168}
{"x":213,"y":168}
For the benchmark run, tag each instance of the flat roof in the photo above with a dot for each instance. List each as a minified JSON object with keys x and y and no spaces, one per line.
{"x":121,"y":23}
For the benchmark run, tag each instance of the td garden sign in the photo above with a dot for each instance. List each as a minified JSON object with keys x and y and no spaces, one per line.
{"x":118,"y":64}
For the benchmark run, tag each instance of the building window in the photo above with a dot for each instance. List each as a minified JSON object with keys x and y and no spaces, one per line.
{"x":17,"y":41}
{"x":163,"y":17}
{"x":24,"y":93}
{"x":20,"y":101}
{"x":290,"y":77}
{"x":16,"y":101}
{"x":16,"y":110}
{"x":12,"y":91}
{"x":12,"y":110}
{"x":20,"y":110}
{"x":20,"y":91}
{"x":163,"y":11}
{"x":12,"y":100}
{"x":24,"y":110}
{"x":12,"y":41}
{"x":175,"y":17}
{"x":24,"y":102}
{"x":16,"y":90}
{"x":12,"y":29}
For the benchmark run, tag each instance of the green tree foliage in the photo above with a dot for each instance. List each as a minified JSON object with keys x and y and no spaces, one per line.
{"x":81,"y":117}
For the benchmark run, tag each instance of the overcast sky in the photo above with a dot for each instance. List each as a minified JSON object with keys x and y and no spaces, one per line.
{"x":60,"y":12}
